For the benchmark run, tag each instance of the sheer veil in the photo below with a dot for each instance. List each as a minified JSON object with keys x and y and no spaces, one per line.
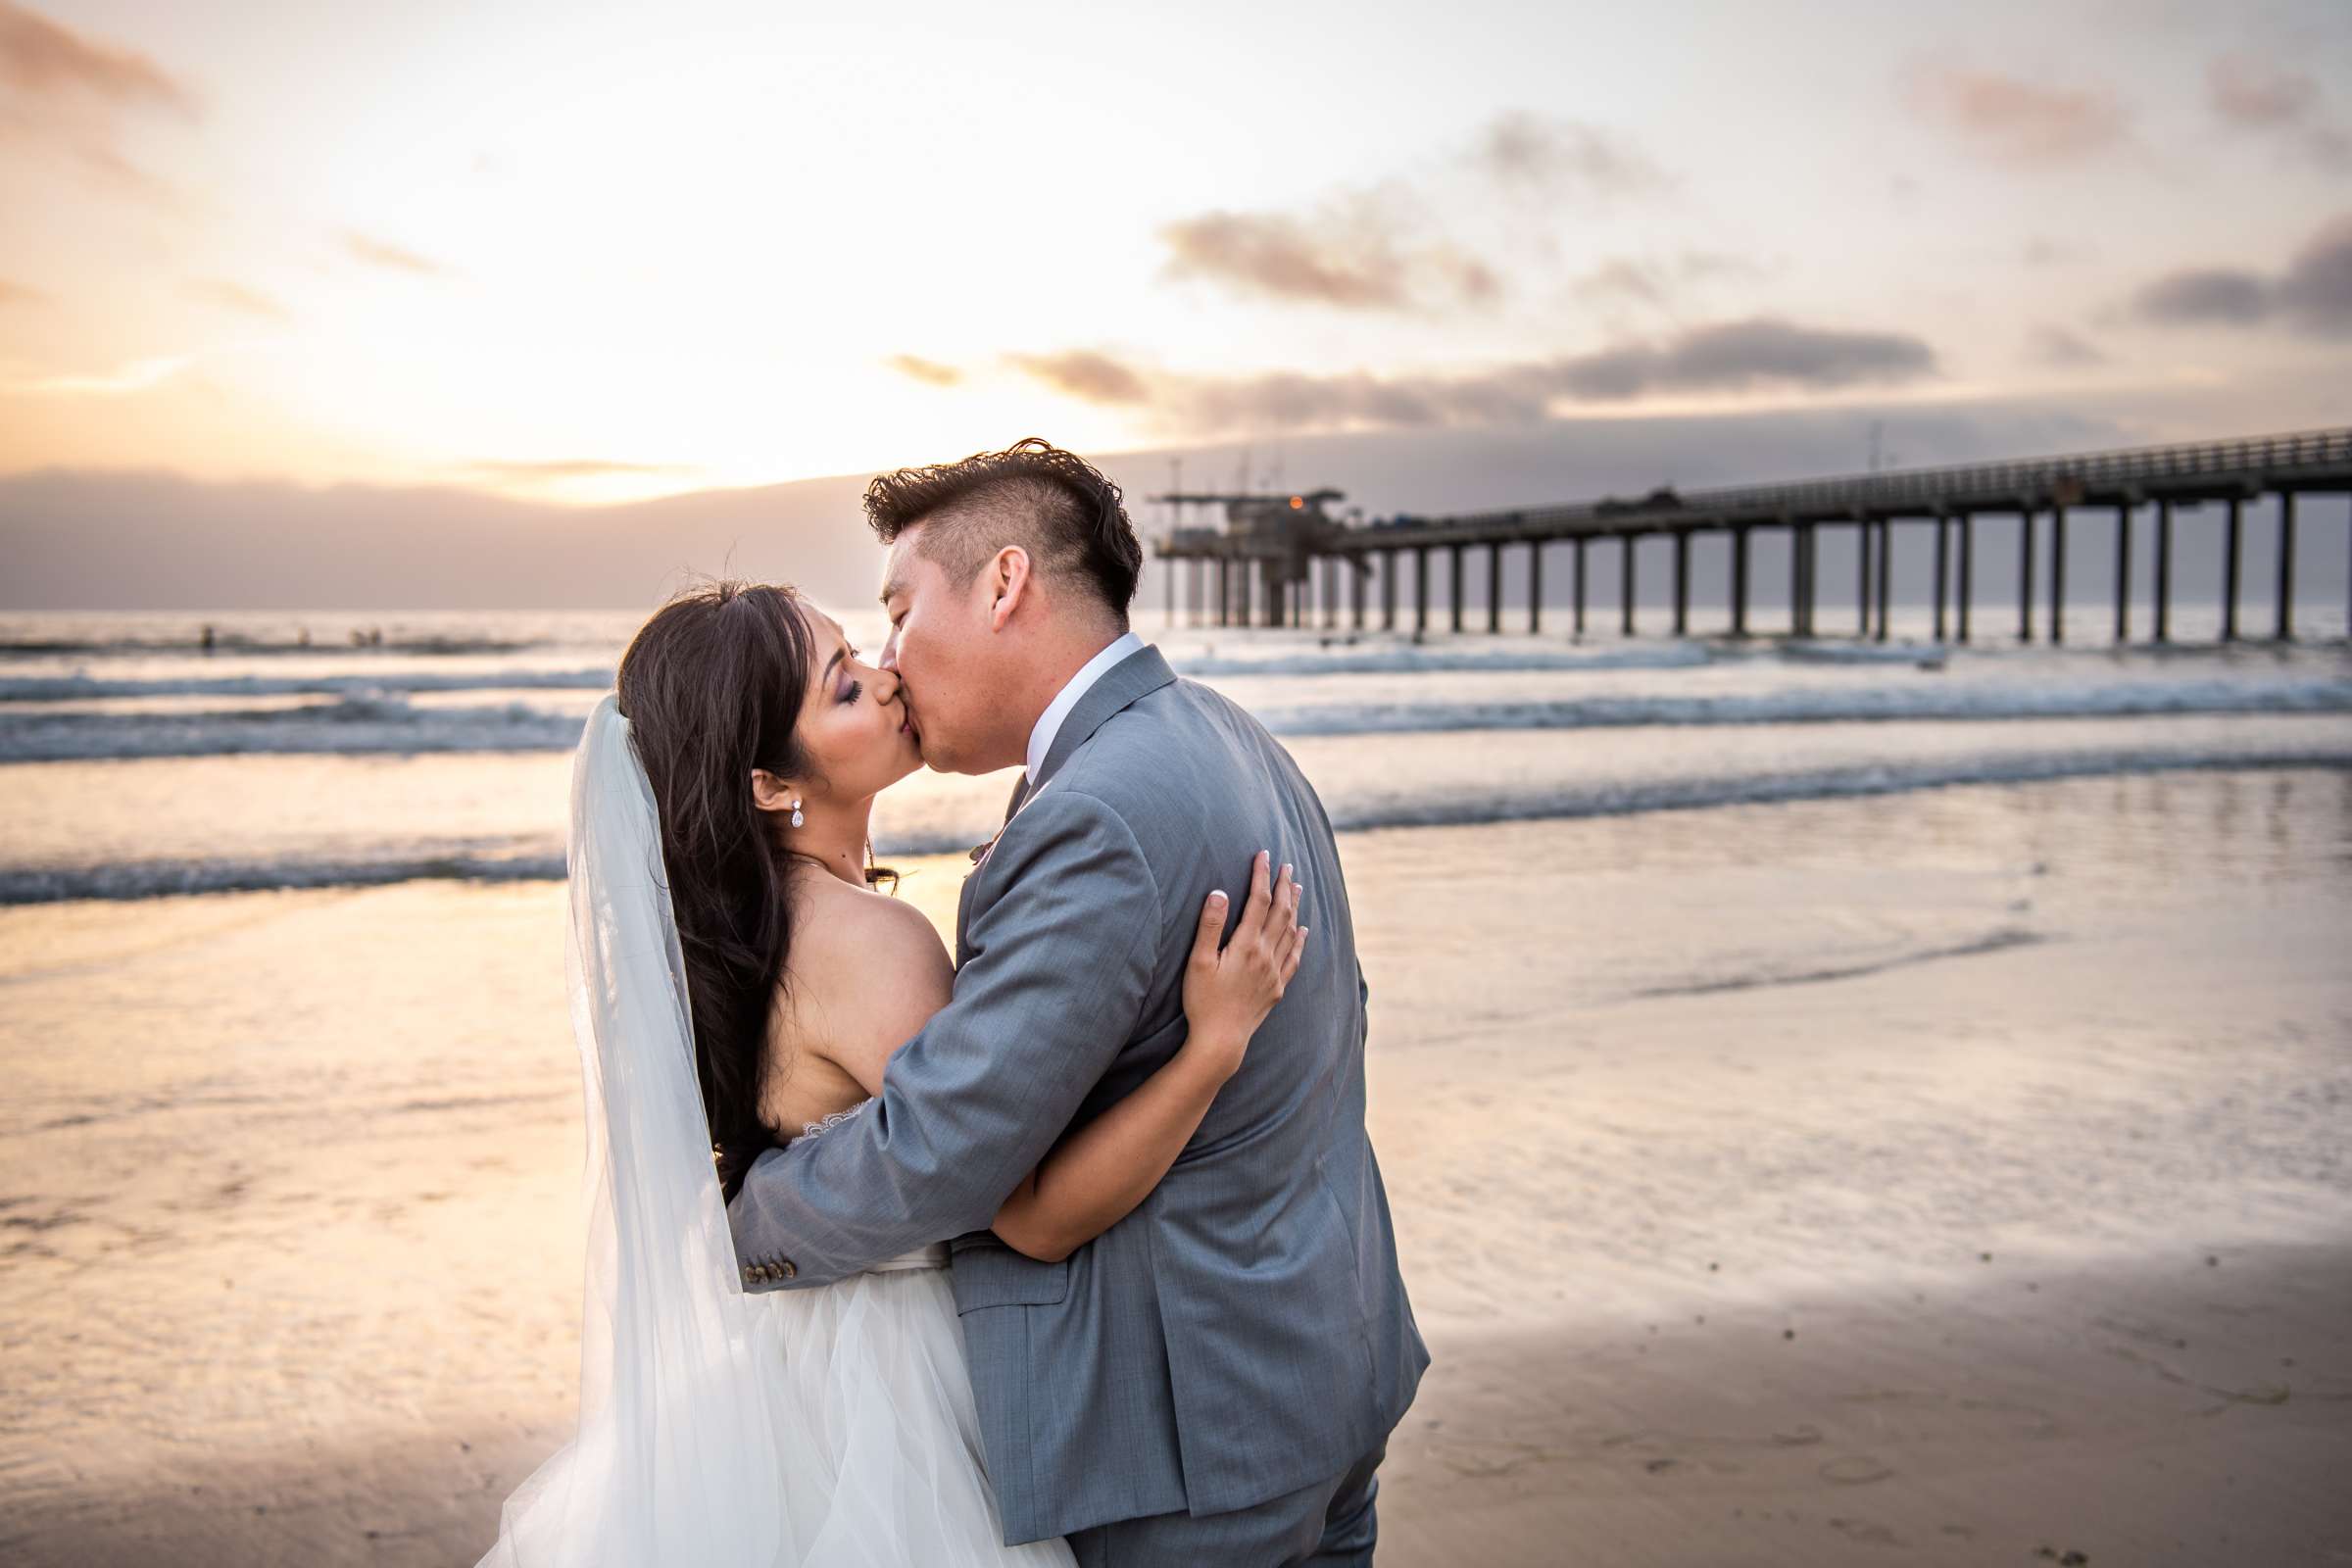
{"x":675,"y":1457}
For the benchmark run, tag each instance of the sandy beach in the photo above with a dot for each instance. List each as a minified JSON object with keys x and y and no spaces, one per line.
{"x":1956,"y":1176}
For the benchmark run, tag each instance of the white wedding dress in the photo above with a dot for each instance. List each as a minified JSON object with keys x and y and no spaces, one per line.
{"x":824,"y":1428}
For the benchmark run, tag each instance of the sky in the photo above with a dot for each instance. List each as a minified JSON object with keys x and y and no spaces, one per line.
{"x":579,"y":255}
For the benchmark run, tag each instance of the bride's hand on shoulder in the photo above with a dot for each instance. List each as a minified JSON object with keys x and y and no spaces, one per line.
{"x":1229,"y":990}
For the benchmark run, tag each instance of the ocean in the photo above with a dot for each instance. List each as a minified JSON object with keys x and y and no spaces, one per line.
{"x":319,"y":750}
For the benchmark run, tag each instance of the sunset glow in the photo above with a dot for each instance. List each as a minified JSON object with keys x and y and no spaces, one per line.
{"x":593,"y":255}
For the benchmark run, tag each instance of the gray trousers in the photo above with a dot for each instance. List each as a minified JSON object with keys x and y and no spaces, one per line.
{"x":1328,"y":1525}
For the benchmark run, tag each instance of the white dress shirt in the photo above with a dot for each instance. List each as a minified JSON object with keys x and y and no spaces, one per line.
{"x":1048,"y":723}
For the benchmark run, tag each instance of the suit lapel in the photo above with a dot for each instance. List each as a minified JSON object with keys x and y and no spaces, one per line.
{"x":1122,"y":685}
{"x":1125,"y":683}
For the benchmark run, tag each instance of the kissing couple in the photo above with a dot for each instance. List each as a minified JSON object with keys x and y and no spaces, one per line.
{"x":1072,"y":1250}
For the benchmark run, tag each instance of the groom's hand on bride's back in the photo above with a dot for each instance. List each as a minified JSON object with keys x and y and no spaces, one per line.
{"x":1230,"y":986}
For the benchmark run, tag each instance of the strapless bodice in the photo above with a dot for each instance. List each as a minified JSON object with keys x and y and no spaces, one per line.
{"x":933,"y":1256}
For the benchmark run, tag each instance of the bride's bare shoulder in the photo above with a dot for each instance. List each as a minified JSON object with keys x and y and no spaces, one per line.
{"x":881,"y":933}
{"x":866,"y":972}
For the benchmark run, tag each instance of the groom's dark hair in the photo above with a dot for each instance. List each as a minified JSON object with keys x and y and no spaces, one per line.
{"x":1052,"y":504}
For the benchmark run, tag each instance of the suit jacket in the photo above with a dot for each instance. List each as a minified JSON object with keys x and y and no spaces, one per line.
{"x":1244,"y":1332}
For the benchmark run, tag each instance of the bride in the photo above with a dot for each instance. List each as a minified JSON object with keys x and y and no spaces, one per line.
{"x":736,"y":978}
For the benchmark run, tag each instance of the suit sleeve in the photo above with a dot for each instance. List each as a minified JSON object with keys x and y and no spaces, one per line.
{"x":1057,"y":969}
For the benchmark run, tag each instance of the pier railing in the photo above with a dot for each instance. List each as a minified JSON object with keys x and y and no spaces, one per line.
{"x":2185,"y":470}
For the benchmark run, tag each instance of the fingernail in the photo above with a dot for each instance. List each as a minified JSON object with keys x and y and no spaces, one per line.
{"x":1217,"y":897}
{"x":1286,"y":868}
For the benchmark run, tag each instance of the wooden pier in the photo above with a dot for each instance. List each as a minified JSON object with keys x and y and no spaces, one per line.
{"x":1282,"y":559}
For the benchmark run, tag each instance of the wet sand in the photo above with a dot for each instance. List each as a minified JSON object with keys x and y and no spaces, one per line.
{"x":1956,"y":1177}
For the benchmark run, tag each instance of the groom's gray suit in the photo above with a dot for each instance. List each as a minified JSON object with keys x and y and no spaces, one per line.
{"x":1234,"y":1353}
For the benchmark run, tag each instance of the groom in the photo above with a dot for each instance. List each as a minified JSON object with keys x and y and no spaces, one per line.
{"x":1214,"y":1379}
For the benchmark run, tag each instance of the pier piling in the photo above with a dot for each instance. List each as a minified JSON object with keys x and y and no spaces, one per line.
{"x":2233,"y":553}
{"x":2025,"y":574}
{"x":1968,"y":569}
{"x":2057,"y":575}
{"x":2163,"y":570}
{"x":1942,"y":571}
{"x":1738,"y":582}
{"x":1886,"y":592}
{"x":1864,"y":540}
{"x":2287,"y":566}
{"x":1681,"y":585}
{"x":1797,"y":580}
{"x":1625,"y":596}
{"x":1580,"y":585}
{"x":2122,"y":574}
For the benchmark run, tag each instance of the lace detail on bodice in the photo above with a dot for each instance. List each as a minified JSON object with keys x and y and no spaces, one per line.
{"x":809,"y":1129}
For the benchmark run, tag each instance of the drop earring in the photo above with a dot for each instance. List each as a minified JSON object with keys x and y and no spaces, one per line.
{"x":796,"y":810}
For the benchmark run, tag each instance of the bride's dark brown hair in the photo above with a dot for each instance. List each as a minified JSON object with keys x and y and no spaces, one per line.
{"x":713,"y":687}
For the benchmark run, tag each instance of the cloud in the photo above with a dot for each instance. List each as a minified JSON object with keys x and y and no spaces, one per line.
{"x":1654,"y":280}
{"x":1356,"y":253}
{"x":1742,"y":356}
{"x":1084,"y":375}
{"x":2061,"y":349}
{"x":2253,"y":95}
{"x":21,"y":294}
{"x":2251,"y":92}
{"x":236,"y":296}
{"x":1724,"y":357}
{"x":1563,"y":158}
{"x":928,"y":372}
{"x":2223,"y":295}
{"x":2316,"y":292}
{"x":136,"y":376}
{"x":548,"y":470}
{"x":2015,"y":123}
{"x":379,"y":253}
{"x":68,"y":95}
{"x":1398,"y":246}
{"x":2313,"y":294}
{"x":42,"y":59}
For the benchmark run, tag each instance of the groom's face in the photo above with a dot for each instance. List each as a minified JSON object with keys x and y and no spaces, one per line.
{"x":941,"y":650}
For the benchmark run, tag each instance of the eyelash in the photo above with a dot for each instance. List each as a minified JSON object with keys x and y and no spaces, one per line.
{"x":856,"y":689}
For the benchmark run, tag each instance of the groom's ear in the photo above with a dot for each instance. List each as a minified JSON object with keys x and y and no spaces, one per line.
{"x":1010,"y":578}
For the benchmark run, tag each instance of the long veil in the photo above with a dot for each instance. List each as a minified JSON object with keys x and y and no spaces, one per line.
{"x":675,"y":1457}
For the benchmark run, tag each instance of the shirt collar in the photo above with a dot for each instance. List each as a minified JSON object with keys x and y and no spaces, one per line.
{"x":1048,"y":723}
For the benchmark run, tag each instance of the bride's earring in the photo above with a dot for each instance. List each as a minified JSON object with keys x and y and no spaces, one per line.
{"x":796,"y":810}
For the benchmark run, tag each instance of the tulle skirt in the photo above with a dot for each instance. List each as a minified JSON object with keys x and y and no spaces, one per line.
{"x":837,"y":1430}
{"x":877,"y":1439}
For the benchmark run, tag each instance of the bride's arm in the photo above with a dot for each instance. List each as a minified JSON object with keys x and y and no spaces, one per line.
{"x":1096,"y":1176}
